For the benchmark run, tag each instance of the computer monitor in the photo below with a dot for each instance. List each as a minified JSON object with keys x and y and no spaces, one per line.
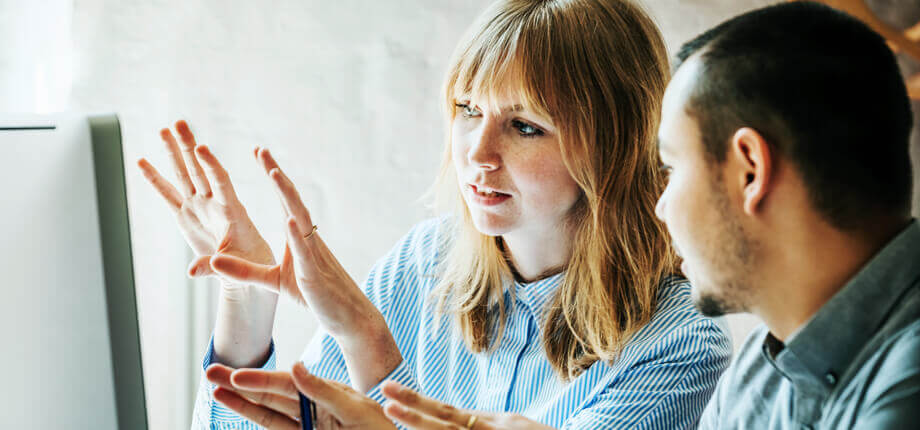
{"x":68,"y":316}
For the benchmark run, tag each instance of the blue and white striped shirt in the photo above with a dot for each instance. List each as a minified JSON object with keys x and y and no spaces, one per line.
{"x":662,"y":379}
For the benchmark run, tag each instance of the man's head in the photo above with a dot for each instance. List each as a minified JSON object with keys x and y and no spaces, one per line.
{"x":792,"y":98}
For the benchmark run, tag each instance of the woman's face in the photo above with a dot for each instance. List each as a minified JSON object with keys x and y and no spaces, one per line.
{"x":515,"y":154}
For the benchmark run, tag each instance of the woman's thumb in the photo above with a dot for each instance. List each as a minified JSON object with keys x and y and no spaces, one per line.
{"x":200,"y":266}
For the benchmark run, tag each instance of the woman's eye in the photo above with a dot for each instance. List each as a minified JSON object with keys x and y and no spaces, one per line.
{"x":468,"y":111}
{"x":525,"y":129}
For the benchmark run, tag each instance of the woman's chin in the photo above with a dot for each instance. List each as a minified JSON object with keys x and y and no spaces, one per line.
{"x":490,"y":224}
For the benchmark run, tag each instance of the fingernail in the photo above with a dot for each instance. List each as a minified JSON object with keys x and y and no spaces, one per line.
{"x":302,"y":370}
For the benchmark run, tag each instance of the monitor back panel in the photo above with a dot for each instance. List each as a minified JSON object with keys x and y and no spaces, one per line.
{"x":54,"y":320}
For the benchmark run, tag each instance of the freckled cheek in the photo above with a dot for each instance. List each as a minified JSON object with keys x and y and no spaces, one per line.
{"x":547,"y":184}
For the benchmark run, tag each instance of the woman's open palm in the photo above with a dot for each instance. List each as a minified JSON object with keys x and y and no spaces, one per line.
{"x":309,"y":273}
{"x":208,"y":212}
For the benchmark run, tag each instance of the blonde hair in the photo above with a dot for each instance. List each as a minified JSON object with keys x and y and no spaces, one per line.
{"x":598,"y":69}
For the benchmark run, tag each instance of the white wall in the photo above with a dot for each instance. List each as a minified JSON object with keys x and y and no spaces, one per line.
{"x":344,"y":92}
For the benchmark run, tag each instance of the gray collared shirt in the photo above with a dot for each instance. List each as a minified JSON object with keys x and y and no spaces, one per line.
{"x":855,"y":364}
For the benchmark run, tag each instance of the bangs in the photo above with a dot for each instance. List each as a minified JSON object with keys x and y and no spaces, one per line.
{"x":505,"y":59}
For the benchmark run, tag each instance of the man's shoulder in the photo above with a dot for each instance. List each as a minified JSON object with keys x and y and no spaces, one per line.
{"x":894,"y":350}
{"x":895,"y":360}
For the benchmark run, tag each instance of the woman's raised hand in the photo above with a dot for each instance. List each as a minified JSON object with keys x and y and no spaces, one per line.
{"x":207,"y":210}
{"x":310,"y":274}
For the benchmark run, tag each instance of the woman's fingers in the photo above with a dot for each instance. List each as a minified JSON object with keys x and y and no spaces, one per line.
{"x":297,"y":245}
{"x":416,"y":420}
{"x":222,"y":376}
{"x":333,"y":397}
{"x":200,"y":266}
{"x":244,"y":271}
{"x":261,"y":415}
{"x":202,"y":187}
{"x":265,"y":159}
{"x":271,"y":381}
{"x":216,"y":175}
{"x":421,"y":405}
{"x":175,"y":155}
{"x":167,"y":191}
{"x":290,"y":199}
{"x":219,"y":374}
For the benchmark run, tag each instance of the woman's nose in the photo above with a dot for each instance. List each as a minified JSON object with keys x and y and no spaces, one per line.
{"x":659,"y":206}
{"x":484,"y":151}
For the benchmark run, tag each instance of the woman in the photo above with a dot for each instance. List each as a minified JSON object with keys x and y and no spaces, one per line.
{"x":548,"y":289}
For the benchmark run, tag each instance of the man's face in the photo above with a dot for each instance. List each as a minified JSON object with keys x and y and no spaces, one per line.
{"x":703,"y":218}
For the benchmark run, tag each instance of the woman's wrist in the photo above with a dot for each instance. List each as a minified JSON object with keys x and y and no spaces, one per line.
{"x":370,"y":353}
{"x":243,"y":327}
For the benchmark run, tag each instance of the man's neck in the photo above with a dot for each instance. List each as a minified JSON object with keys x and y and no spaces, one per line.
{"x":809,"y":266}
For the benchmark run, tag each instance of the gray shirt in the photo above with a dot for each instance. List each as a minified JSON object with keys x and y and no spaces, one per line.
{"x":855,"y":364}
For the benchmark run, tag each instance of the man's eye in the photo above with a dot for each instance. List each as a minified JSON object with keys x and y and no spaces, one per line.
{"x":525,"y":129}
{"x":468,"y":111}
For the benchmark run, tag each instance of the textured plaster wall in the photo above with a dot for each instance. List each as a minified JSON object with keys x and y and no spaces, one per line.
{"x":345,"y":93}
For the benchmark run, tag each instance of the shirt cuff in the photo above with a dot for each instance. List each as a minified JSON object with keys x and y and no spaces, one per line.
{"x":402,"y":374}
{"x":218,"y":412}
{"x":269,"y":363}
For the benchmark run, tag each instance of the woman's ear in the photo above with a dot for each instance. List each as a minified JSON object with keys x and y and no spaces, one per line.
{"x":754,"y":159}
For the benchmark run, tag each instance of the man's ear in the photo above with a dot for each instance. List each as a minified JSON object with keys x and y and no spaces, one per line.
{"x":752,"y":155}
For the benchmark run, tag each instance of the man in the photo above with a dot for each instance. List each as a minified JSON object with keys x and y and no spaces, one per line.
{"x":785,"y":131}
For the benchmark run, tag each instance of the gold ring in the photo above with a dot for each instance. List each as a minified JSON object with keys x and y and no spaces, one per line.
{"x":307,"y":236}
{"x":471,"y":422}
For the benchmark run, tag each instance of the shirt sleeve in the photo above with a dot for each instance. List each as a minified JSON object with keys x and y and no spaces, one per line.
{"x":211,"y":414}
{"x":895,"y":394}
{"x":665,"y":389}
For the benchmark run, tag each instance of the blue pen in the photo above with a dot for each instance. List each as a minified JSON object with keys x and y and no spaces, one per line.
{"x":307,"y":412}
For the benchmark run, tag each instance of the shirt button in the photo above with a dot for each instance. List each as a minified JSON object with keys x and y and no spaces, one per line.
{"x":831,"y":378}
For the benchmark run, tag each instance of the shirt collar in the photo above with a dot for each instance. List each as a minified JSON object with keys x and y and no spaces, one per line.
{"x":827,"y":344}
{"x":537,"y":294}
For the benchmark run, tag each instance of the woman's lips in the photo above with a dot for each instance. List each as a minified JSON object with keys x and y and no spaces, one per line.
{"x":492,"y":200}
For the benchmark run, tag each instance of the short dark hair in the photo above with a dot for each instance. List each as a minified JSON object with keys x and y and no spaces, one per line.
{"x":824,"y":90}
